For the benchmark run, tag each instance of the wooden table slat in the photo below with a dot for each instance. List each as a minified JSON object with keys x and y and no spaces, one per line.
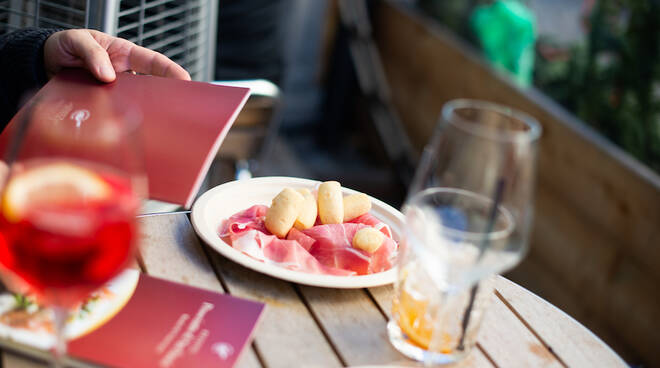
{"x":565,"y":336}
{"x":383,"y":295}
{"x":476,"y":359}
{"x":12,"y":360}
{"x":248,"y":359}
{"x":509,"y":343}
{"x":170,"y":250}
{"x":353,"y":323}
{"x":288,"y":335}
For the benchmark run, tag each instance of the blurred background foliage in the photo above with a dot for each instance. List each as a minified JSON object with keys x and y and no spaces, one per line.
{"x":609,"y":76}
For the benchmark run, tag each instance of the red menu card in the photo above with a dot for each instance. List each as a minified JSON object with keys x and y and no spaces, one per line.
{"x":139,"y":321}
{"x":165,"y":324}
{"x":183,"y":123}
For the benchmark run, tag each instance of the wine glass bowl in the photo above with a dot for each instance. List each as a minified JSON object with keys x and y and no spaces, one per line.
{"x":478,"y":145}
{"x":67,"y":227}
{"x":69,"y":203}
{"x":461,"y":244}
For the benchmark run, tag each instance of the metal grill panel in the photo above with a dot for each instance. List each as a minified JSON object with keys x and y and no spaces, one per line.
{"x":183,"y":30}
{"x":176,"y":28}
{"x":15,"y":14}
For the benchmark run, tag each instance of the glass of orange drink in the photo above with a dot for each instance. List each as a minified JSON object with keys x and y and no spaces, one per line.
{"x":444,"y":278}
{"x":467,"y":218}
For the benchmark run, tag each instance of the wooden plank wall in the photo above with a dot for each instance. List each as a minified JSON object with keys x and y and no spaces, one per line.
{"x":596,"y":242}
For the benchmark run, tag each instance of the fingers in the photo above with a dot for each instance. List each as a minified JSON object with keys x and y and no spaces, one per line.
{"x":57,"y":54}
{"x":104,"y":55}
{"x":126,"y":55}
{"x":146,"y":61}
{"x":94,"y":56}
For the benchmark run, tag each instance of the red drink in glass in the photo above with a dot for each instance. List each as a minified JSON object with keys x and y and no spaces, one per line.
{"x":67,"y":228}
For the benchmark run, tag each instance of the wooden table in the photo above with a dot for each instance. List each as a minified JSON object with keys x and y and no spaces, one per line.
{"x":315,"y":327}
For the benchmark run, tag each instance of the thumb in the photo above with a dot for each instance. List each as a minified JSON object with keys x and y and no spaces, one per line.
{"x":94,"y":56}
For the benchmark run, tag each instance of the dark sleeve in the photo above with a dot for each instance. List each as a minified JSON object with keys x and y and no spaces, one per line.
{"x":21,"y":68}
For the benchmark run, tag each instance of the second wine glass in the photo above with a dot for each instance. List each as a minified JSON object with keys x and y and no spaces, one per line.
{"x":489,"y":150}
{"x":468,"y":216}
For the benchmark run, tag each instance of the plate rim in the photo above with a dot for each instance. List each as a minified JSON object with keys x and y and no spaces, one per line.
{"x":328,"y":281}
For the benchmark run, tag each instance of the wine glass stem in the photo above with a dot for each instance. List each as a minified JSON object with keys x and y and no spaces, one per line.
{"x":61,"y":314}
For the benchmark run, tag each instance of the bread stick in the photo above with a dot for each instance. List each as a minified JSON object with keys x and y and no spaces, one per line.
{"x":331,"y":204}
{"x":356,"y":205}
{"x":368,"y":239}
{"x":283,"y":212}
{"x":308,"y":211}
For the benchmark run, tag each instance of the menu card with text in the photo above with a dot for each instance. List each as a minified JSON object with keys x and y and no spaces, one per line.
{"x":141,"y":321}
{"x":183,"y":122}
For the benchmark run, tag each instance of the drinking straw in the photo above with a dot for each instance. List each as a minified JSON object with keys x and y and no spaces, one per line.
{"x":482,"y":249}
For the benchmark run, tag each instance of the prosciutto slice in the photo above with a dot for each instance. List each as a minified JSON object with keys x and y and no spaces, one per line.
{"x":371,"y":220}
{"x":284,"y":253}
{"x":305,"y":241}
{"x":244,"y":221}
{"x":321,"y":249}
{"x":333,"y":248}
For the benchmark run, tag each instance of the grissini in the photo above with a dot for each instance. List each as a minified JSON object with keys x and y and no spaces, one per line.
{"x":356,"y":205}
{"x":368,"y":239}
{"x":283,"y":212}
{"x":308,"y":211}
{"x":330,"y":202}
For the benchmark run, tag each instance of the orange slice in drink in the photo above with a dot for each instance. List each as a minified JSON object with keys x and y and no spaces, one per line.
{"x":51,"y":184}
{"x":412,"y":320}
{"x":416,"y":324}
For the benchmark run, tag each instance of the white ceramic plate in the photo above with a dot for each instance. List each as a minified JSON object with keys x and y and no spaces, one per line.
{"x":225,"y":200}
{"x":99,"y":311}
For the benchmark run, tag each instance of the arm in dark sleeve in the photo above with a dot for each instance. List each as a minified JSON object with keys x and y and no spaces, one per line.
{"x":21,"y":68}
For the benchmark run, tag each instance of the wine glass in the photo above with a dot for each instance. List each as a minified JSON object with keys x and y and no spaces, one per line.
{"x":468,"y":216}
{"x":69,"y":203}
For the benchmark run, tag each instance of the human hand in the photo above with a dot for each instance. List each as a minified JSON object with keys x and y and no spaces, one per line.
{"x":104,"y":55}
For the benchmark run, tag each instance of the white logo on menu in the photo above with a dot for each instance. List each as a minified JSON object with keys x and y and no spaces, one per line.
{"x":223,"y":350}
{"x":79,"y":116}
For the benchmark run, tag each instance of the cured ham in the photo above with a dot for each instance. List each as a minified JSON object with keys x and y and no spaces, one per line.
{"x":383,"y":259}
{"x":333,"y":248}
{"x":304,"y":240}
{"x":371,"y":220}
{"x":321,"y":249}
{"x":241,"y":222}
{"x":284,"y":253}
